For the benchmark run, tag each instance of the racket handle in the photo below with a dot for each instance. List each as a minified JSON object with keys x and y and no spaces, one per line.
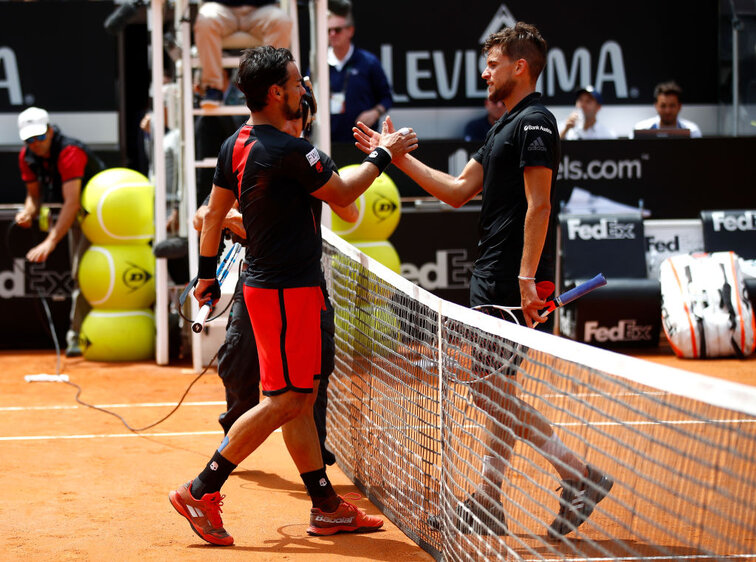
{"x":569,"y":296}
{"x":199,"y":321}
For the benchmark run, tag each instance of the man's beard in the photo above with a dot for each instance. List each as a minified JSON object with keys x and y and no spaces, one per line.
{"x":290,"y":113}
{"x":503,"y":91}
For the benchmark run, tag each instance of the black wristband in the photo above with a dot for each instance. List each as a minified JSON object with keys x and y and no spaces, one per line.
{"x":380,"y":158}
{"x":207,"y":267}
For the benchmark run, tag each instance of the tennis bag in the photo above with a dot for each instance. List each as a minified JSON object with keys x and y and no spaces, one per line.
{"x":705,"y":307}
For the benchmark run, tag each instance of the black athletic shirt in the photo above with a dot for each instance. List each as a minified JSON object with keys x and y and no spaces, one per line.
{"x":525,"y":136}
{"x":272,"y":175}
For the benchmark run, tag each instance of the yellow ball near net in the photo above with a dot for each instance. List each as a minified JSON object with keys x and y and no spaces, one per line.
{"x":380,"y":210}
{"x":117,"y":207}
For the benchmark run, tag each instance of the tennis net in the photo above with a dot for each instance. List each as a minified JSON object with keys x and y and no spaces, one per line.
{"x":420,"y":398}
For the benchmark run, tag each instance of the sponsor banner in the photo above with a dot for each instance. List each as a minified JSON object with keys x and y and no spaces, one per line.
{"x":730,"y":231}
{"x":667,"y":238}
{"x":673,"y":179}
{"x":22,"y":279}
{"x":610,"y":244}
{"x":624,"y":313}
{"x":440,"y":64}
{"x":437,"y":249}
{"x":57,"y":55}
{"x":23,"y":285}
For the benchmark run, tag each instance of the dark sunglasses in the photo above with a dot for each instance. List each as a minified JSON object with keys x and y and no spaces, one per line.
{"x":38,"y":138}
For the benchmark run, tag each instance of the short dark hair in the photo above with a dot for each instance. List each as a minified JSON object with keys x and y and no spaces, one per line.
{"x":259,"y":69}
{"x":523,"y":41}
{"x":341,"y":8}
{"x":670,"y":88}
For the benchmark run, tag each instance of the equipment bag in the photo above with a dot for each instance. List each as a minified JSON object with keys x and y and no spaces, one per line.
{"x":705,"y":307}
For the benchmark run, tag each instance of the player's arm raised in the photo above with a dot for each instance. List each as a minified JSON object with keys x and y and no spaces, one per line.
{"x":453,"y":191}
{"x":343,"y":190}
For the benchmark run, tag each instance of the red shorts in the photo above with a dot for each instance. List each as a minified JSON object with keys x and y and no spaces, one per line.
{"x":286,"y":324}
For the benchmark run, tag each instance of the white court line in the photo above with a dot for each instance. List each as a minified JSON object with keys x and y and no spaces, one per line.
{"x":108,"y":435}
{"x":663,"y":422}
{"x":113,"y":435}
{"x":107,"y":406}
{"x":632,"y":558}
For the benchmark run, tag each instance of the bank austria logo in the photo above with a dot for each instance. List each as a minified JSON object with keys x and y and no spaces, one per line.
{"x":624,"y":330}
{"x":605,"y":229}
{"x":733,"y":221}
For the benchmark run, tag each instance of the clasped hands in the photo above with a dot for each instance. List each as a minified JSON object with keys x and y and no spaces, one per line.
{"x":399,"y":143}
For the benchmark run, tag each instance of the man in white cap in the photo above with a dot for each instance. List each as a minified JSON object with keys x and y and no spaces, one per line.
{"x":55,"y":168}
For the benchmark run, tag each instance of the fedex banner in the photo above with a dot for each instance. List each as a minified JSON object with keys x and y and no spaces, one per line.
{"x":432,"y":51}
{"x":673,"y":178}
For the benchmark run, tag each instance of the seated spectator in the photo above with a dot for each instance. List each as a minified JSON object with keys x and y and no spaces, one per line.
{"x":582,"y":124}
{"x":668,"y":98}
{"x":262,"y":19}
{"x":477,"y":129}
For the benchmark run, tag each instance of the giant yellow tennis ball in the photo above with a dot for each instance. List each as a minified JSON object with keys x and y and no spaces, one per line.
{"x":118,"y":277}
{"x":118,"y":335}
{"x":379,"y":212}
{"x":381,"y":251}
{"x":117,"y":207}
{"x":366,"y":317}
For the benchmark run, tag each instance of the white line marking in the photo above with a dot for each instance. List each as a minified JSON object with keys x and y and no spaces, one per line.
{"x":113,"y":435}
{"x":632,"y":558}
{"x":107,"y":406}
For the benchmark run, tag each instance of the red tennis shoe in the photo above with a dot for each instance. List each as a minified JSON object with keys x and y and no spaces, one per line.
{"x":203,"y":514}
{"x":347,"y":518}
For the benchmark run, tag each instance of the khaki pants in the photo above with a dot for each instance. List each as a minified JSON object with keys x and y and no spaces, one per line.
{"x":269,"y":25}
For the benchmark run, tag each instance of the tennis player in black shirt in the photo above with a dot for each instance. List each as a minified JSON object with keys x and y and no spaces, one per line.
{"x":515,"y":170}
{"x":272,"y":175}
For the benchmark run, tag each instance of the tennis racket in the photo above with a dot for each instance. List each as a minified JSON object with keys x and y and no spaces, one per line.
{"x":545,"y":288}
{"x":223,"y":268}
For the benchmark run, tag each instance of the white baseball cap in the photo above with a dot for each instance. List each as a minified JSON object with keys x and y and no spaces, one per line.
{"x":32,"y":122}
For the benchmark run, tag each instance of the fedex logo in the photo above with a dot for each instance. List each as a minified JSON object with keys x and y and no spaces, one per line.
{"x":625,"y":330}
{"x":653,"y":243}
{"x":732,"y":222}
{"x":605,"y":229}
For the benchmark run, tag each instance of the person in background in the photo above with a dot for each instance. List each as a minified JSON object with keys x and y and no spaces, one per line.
{"x":477,"y":129}
{"x":668,"y":103}
{"x":262,"y":19}
{"x":582,"y":124}
{"x":360,"y":90}
{"x":55,"y":169}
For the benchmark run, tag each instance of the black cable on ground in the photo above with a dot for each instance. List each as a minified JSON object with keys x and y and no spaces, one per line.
{"x":80,"y":390}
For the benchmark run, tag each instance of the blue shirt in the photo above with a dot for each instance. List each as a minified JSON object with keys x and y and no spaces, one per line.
{"x":364,"y":85}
